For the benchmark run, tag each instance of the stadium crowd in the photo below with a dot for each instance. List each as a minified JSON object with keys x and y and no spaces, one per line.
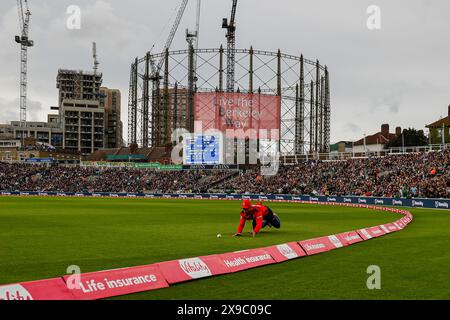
{"x":42,"y":178}
{"x":410,"y":175}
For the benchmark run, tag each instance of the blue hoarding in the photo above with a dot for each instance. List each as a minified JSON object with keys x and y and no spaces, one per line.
{"x":397,"y":202}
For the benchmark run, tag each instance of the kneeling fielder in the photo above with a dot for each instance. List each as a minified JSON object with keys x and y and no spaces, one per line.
{"x":261,"y":215}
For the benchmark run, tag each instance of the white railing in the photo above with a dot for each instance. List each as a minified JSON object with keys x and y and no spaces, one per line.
{"x":331,"y":156}
{"x":338,"y":156}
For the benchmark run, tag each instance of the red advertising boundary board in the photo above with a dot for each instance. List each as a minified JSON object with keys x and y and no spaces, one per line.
{"x":118,"y":282}
{"x":319,"y":245}
{"x":50,"y":289}
{"x":349,"y":238}
{"x":372,"y":232}
{"x":192,"y":268}
{"x":376,"y":231}
{"x":399,"y":224}
{"x":286,"y":251}
{"x":389,"y":227}
{"x":247,"y":259}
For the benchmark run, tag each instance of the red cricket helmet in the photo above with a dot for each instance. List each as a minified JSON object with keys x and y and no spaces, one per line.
{"x":246,"y":204}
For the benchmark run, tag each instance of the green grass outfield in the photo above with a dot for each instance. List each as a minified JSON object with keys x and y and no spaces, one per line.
{"x":41,"y":237}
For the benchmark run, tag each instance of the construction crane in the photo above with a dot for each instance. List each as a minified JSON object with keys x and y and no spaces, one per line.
{"x":231,"y":45}
{"x":156,"y":68}
{"x":96,"y":64}
{"x":25,"y":43}
{"x":97,"y":93}
{"x":193,"y":36}
{"x":197,"y":23}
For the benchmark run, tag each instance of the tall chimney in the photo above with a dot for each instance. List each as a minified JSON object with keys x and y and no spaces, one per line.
{"x":385,"y":130}
{"x":398,"y":131}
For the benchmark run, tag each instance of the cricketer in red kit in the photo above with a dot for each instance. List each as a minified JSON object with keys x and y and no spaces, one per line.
{"x":261,"y":215}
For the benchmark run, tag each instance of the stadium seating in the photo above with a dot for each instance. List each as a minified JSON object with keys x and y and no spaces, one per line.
{"x":410,"y":175}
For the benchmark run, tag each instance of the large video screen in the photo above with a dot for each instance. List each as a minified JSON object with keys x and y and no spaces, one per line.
{"x":203,"y":149}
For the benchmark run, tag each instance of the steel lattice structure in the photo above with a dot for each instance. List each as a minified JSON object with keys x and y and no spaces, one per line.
{"x":158,"y":104}
{"x":25,"y":43}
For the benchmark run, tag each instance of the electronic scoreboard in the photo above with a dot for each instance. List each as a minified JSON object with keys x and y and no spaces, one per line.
{"x":203,"y":149}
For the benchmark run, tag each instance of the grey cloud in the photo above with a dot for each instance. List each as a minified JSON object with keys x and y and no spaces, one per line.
{"x":10,"y":110}
{"x":391,"y":104}
{"x":353,"y":128}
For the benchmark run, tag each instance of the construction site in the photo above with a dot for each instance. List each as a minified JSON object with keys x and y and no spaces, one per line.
{"x":166,"y":89}
{"x":286,"y":95}
{"x":88,"y":114}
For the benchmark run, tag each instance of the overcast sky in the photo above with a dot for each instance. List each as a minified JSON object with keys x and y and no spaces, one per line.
{"x":399,"y":74}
